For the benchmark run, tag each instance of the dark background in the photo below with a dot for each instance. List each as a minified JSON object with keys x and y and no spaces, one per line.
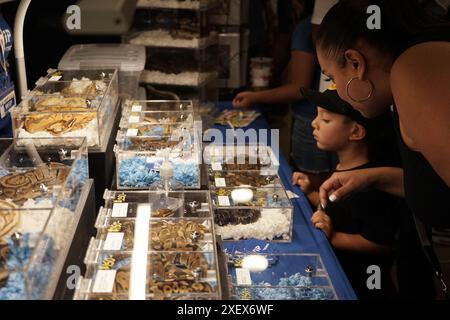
{"x":45,"y":40}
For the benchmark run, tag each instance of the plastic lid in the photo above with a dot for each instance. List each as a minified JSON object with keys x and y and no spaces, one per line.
{"x":125,"y":57}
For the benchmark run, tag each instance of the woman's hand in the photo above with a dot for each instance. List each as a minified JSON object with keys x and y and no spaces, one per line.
{"x":322,"y":221}
{"x":342,"y":184}
{"x":244,"y":100}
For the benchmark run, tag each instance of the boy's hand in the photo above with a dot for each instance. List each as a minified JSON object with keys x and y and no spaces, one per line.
{"x":302,"y":180}
{"x":322,"y":221}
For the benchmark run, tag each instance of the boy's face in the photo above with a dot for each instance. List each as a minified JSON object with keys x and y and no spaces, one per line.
{"x":332,"y":131}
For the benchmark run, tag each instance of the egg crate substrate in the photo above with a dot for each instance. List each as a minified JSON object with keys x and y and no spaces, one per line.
{"x":183,"y":78}
{"x":272,"y":224}
{"x":171,"y":39}
{"x":243,"y":211}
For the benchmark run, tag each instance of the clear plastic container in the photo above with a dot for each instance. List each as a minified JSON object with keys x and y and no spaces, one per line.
{"x":180,"y":118}
{"x":128,"y":59}
{"x":279,"y":277}
{"x":172,"y":28}
{"x":204,"y":98}
{"x":223,"y":179}
{"x":161,"y":276}
{"x":180,"y":66}
{"x":241,"y":158}
{"x":142,"y":141}
{"x":150,"y":138}
{"x":253,"y":213}
{"x":69,"y":104}
{"x":189,"y":204}
{"x":131,"y":107}
{"x":176,"y":4}
{"x":170,"y":254}
{"x":140,"y":169}
{"x":39,"y":207}
{"x":31,"y":174}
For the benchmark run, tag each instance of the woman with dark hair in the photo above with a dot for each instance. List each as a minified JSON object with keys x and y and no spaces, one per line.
{"x":404,"y":64}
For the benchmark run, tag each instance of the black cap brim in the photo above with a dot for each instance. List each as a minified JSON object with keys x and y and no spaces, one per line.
{"x":330,"y":100}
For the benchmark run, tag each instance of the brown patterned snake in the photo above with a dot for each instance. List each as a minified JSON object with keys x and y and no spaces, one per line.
{"x":20,"y":187}
{"x":58,"y":119}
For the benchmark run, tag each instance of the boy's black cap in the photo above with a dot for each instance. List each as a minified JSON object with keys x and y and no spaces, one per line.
{"x":330,"y":100}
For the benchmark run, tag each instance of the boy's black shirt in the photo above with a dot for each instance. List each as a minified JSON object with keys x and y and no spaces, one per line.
{"x":375,"y":215}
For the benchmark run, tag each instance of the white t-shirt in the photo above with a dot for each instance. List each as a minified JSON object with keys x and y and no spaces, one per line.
{"x":321,"y":8}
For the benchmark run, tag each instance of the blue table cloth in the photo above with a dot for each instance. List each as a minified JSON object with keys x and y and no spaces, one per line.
{"x":305,"y":238}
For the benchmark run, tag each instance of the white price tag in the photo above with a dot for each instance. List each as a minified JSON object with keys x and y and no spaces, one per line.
{"x":136,"y":108}
{"x":216,"y":166}
{"x":55,"y":78}
{"x":224,"y":201}
{"x":243,"y":277}
{"x":113,"y":241}
{"x":133,"y":119}
{"x":220,"y":182}
{"x":104,"y":281}
{"x":120,"y":210}
{"x":132,"y":132}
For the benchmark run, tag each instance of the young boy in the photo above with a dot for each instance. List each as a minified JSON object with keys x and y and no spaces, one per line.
{"x":362,"y":228}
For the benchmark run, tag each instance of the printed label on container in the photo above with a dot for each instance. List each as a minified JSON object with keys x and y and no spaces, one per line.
{"x":243,"y":277}
{"x":55,"y":78}
{"x":132,"y":132}
{"x":224,"y":201}
{"x":104,"y":281}
{"x":136,"y":108}
{"x":216,"y":166}
{"x":133,"y":119}
{"x":120,"y":210}
{"x":220,"y":182}
{"x":113,"y":241}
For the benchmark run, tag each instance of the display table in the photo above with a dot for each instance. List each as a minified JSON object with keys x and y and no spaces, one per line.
{"x":305,"y":238}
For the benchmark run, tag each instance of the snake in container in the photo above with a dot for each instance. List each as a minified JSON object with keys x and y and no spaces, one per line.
{"x":55,"y":115}
{"x":181,"y":236}
{"x":22,"y":186}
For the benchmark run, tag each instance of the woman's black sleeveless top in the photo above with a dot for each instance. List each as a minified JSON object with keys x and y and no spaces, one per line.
{"x":427,"y":194}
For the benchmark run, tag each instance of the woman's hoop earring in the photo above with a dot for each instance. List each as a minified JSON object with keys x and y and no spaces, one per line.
{"x":372,"y":88}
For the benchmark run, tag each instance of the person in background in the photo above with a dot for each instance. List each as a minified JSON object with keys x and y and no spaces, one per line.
{"x":312,"y":162}
{"x":403,"y":66}
{"x":362,"y":229}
